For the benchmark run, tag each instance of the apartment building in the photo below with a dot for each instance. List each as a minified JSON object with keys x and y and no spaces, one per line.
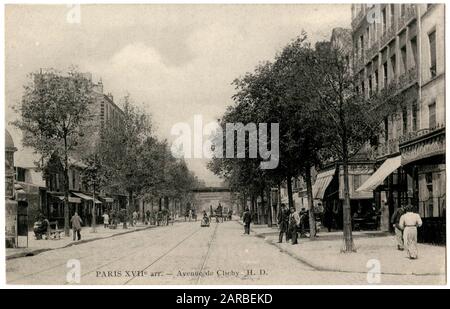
{"x":402,"y":45}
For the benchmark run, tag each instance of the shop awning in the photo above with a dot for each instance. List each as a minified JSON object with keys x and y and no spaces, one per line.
{"x":85,"y":197}
{"x":322,"y":182}
{"x":72,"y":199}
{"x":377,"y":178}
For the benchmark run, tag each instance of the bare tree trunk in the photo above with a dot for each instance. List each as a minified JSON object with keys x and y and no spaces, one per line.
{"x":348,"y":238}
{"x":128,"y":209}
{"x":94,"y":212}
{"x":66,"y":190}
{"x":312,"y":219}
{"x":278,"y":200}
{"x":263,"y":208}
{"x":269,"y":197}
{"x":289,"y":189}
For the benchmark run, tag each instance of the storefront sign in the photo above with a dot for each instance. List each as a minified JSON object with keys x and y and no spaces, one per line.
{"x":423,"y":150}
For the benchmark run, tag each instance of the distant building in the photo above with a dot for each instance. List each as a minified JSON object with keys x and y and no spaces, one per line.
{"x":403,"y":44}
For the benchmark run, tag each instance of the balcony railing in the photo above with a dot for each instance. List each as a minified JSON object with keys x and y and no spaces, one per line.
{"x":410,"y":14}
{"x":407,"y":78}
{"x":357,"y":20}
{"x":372,"y":51}
{"x":387,"y":148}
{"x":359,"y":63}
{"x":388,"y":35}
{"x":410,"y":136}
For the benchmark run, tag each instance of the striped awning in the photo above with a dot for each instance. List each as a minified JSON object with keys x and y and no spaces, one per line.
{"x":322,"y":182}
{"x":377,"y":178}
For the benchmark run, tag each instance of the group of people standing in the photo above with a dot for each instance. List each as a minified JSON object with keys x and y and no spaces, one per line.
{"x":290,"y":223}
{"x":405,"y":222}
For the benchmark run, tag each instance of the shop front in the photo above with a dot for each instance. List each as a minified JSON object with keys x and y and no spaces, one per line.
{"x":423,"y":158}
{"x":328,"y":190}
{"x":89,"y":207}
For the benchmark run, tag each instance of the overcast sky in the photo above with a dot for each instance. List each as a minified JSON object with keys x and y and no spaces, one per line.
{"x":174,"y":60}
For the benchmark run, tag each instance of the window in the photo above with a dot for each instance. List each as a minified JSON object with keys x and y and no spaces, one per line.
{"x":404,"y":59}
{"x":432,"y":115}
{"x":392,"y":10}
{"x":368,"y":35}
{"x":356,"y":182}
{"x":57,"y":182}
{"x":361,"y":45}
{"x":74,"y":181}
{"x":376,"y":81}
{"x":432,"y":42}
{"x":383,"y":20}
{"x":385,"y":75}
{"x":386,"y":129}
{"x":370,"y":85}
{"x":414,"y":117}
{"x":414,"y":50}
{"x":405,"y":120}
{"x":402,"y":10}
{"x":20,"y":174}
{"x":393,"y":64}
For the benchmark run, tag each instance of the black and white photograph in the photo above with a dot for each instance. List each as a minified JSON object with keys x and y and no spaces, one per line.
{"x":214,"y":144}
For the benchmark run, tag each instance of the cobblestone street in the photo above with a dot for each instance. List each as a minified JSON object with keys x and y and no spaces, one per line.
{"x":186,"y":253}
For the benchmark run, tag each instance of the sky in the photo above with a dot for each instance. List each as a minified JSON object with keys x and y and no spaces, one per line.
{"x":176,"y":61}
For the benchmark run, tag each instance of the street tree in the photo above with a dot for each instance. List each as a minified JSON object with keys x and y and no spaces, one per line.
{"x":54,"y":116}
{"x":121,"y":145}
{"x":353,"y":115}
{"x":93,"y":177}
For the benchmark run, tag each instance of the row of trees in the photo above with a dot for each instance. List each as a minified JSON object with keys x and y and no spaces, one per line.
{"x":59,"y":119}
{"x":323,"y":115}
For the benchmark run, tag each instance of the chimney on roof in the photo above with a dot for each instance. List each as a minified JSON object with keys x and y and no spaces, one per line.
{"x":99,"y":86}
{"x":110,"y":96}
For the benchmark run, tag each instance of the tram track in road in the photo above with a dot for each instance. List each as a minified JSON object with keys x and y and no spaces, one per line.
{"x":165,"y":254}
{"x":197,"y":281}
{"x":83,"y":257}
{"x":159,"y":237}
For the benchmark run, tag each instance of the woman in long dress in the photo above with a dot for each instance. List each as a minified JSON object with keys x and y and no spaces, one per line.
{"x":409,"y":222}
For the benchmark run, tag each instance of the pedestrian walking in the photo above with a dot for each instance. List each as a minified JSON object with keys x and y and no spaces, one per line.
{"x":395,"y":220}
{"x":76,"y":226}
{"x":105,"y":220}
{"x":135,"y":217}
{"x":147,"y":217}
{"x":283,"y":222}
{"x":247,"y":219}
{"x":409,"y":222}
{"x":294,"y":223}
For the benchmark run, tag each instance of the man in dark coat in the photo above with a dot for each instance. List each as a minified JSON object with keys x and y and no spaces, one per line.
{"x":395,"y":220}
{"x":247,"y":218}
{"x":283,"y":222}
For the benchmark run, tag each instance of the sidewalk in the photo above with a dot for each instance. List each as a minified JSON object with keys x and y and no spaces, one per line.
{"x":38,"y":246}
{"x":324,"y":253}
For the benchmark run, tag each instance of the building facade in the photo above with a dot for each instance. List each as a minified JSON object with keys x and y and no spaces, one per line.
{"x":403,"y":45}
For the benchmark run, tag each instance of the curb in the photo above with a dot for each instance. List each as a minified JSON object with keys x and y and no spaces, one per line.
{"x":41,"y":250}
{"x":317,"y":267}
